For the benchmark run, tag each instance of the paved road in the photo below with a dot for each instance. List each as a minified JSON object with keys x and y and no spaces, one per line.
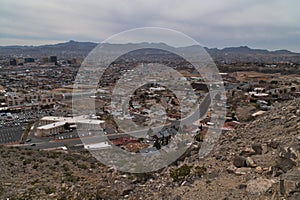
{"x":199,"y":113}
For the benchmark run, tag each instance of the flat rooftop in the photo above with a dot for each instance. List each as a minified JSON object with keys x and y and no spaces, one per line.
{"x":51,"y":126}
{"x":77,"y":119}
{"x":60,"y":121}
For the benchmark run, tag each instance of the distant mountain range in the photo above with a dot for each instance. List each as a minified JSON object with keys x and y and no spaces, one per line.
{"x":74,"y":49}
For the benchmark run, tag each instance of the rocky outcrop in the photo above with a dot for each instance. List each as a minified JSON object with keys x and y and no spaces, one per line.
{"x":259,"y":186}
{"x":291,"y":154}
{"x":239,"y":161}
{"x":290,"y":183}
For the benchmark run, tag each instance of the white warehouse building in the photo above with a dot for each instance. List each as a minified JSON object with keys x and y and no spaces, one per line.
{"x":54,"y":125}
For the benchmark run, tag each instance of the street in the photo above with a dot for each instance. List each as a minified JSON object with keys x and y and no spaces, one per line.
{"x":68,"y":141}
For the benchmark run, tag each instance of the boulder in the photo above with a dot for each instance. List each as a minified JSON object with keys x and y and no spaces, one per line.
{"x":248,"y":152}
{"x":126,"y":191}
{"x":231,"y":169}
{"x":257,"y":148}
{"x":259,"y":186}
{"x":238,"y":171}
{"x":259,"y":170}
{"x":291,"y":152}
{"x":288,"y":157}
{"x":239,"y":161}
{"x":273,"y":144}
{"x":290,"y":182}
{"x":265,"y":148}
{"x":243,"y":171}
{"x":295,"y":196}
{"x":250,"y":162}
{"x":285,"y":164}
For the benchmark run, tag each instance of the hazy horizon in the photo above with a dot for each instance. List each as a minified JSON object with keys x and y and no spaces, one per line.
{"x":220,"y":48}
{"x":258,"y":24}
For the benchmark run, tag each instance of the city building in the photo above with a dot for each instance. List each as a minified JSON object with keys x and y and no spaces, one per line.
{"x":53,"y":59}
{"x":28,"y":60}
{"x":13,"y":62}
{"x":21,"y":101}
{"x":55,"y":125}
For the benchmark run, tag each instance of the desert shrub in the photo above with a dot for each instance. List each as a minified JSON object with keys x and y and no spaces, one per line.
{"x":49,"y":190}
{"x":143,"y":177}
{"x":53,"y":168}
{"x":35,"y":166}
{"x":181,"y":172}
{"x":92,"y":166}
{"x":70,"y":159}
{"x":35,"y":181}
{"x":68,"y":173}
{"x":66,"y":167}
{"x":11,"y":164}
{"x":200,"y":171}
{"x":1,"y":190}
{"x":52,"y":155}
{"x":71,"y":178}
{"x":26,"y":161}
{"x":199,"y":137}
{"x":81,"y":166}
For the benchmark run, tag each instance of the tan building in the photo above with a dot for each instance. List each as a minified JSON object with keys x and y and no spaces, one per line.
{"x":15,"y":100}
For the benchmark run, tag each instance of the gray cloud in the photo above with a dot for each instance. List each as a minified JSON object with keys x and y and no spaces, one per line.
{"x":272,"y":24}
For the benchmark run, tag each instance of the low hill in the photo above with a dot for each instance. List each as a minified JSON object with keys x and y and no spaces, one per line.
{"x":74,"y":49}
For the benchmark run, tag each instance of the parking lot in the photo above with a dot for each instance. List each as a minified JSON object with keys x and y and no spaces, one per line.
{"x":11,"y":134}
{"x":69,"y":135}
{"x":12,"y":125}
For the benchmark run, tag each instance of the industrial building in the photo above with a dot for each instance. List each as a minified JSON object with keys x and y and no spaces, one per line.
{"x":54,"y":125}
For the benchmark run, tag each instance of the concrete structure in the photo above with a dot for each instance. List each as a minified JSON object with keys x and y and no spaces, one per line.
{"x":98,"y":146}
{"x":156,"y":89}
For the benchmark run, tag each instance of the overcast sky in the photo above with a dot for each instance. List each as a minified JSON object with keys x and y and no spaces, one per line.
{"x":270,"y":24}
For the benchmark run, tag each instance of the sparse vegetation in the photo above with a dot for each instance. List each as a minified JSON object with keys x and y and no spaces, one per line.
{"x":81,"y":166}
{"x":143,"y":177}
{"x":200,"y":171}
{"x":1,"y":189}
{"x":180,"y":173}
{"x":49,"y":190}
{"x":35,"y":166}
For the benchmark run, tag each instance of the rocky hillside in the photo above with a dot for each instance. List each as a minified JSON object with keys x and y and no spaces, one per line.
{"x":259,"y":160}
